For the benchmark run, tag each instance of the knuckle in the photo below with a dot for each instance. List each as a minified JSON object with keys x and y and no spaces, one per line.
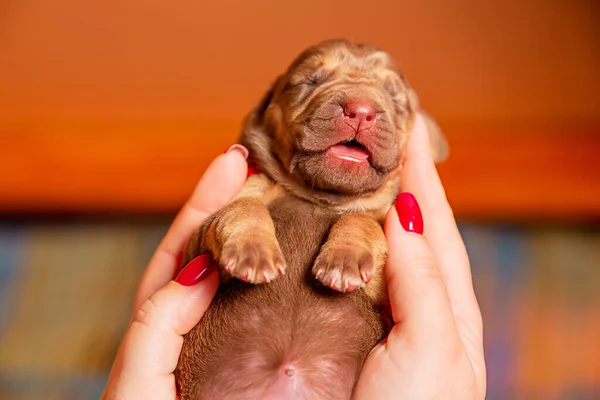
{"x":146,"y":313}
{"x":441,"y":209}
{"x":424,"y":265}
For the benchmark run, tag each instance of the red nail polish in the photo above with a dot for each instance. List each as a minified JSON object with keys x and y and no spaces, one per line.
{"x":409,"y":213}
{"x":252,"y":171}
{"x":195,"y":271}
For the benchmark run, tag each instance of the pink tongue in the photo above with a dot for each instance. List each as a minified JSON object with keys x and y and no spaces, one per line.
{"x":349,"y":153}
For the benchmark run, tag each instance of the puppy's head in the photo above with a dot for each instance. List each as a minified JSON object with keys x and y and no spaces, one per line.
{"x":336,"y":123}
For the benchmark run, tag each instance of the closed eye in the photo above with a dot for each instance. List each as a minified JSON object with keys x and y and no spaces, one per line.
{"x":308,"y":81}
{"x":389,"y":87}
{"x":318,"y":77}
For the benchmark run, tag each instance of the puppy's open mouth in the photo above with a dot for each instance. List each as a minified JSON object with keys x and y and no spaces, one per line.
{"x":350,"y":151}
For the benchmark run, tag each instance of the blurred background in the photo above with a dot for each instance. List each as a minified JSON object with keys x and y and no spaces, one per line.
{"x":111,"y":110}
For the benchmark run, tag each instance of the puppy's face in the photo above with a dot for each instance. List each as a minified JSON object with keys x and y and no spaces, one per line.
{"x":338,"y":118}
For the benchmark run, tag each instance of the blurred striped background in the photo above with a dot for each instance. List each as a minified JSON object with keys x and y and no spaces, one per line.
{"x":65,"y":290}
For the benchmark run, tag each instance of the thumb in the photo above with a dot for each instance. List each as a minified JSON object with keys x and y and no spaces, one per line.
{"x":418,"y":295}
{"x":151,"y":347}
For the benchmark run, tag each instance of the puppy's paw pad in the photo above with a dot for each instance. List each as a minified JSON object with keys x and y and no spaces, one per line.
{"x":344,"y":267}
{"x":253,"y":258}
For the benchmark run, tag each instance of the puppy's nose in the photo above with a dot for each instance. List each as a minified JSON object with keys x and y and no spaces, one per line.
{"x":362,"y":111}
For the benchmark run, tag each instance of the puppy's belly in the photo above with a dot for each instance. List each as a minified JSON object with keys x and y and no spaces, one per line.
{"x":262,"y":343}
{"x":289,"y":339}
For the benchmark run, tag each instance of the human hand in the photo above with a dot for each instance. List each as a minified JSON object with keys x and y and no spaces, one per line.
{"x":166,"y":309}
{"x":435,"y":349}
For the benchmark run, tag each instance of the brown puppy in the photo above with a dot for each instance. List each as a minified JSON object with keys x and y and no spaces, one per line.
{"x":303,"y":240}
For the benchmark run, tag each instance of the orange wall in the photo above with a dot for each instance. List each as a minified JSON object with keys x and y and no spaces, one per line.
{"x":470,"y":60}
{"x":120,"y":77}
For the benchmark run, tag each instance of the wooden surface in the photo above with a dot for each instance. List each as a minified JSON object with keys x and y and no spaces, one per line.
{"x":120,"y":105}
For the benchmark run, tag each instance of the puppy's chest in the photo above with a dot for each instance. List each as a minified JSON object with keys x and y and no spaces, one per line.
{"x":301,"y":229}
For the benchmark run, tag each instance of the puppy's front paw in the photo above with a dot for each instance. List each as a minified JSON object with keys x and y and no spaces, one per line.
{"x":344,"y":267}
{"x":253,"y":257}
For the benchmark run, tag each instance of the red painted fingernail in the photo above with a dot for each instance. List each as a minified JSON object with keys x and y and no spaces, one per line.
{"x":252,"y":171}
{"x":196,"y":270}
{"x":240,"y":149}
{"x":409,"y":213}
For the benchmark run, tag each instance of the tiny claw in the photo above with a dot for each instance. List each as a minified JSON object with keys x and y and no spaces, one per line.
{"x":348,"y":287}
{"x":334,"y":284}
{"x":351,"y":286}
{"x":250,"y":275}
{"x":228,"y":264}
{"x":365,"y":276}
{"x":266,"y":277}
{"x":281,"y":269}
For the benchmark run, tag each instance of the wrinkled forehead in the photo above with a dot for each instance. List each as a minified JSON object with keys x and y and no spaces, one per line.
{"x":353,"y":61}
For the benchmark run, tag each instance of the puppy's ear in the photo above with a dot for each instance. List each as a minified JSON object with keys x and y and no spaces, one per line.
{"x":264,"y":103}
{"x":439,"y":145}
{"x":255,"y":132}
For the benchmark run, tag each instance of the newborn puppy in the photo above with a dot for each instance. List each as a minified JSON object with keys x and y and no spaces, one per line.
{"x":301,"y":249}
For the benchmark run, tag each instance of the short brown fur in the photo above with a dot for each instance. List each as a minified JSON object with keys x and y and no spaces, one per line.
{"x":304,"y":240}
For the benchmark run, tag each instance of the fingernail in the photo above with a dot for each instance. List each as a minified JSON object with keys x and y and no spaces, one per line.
{"x":195,"y":271}
{"x":252,"y":171}
{"x":240,"y":149}
{"x":409,"y":213}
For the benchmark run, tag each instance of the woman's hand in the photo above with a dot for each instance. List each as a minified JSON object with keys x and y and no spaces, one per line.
{"x":435,"y":349}
{"x":166,"y":309}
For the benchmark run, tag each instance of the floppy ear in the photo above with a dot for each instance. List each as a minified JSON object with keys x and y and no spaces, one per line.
{"x":254,"y":121}
{"x":263,"y":104}
{"x":438,"y":142}
{"x":439,"y":145}
{"x":255,"y":135}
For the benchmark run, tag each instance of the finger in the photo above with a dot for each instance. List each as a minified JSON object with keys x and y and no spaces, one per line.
{"x":152,"y":344}
{"x":420,"y":304}
{"x":220,"y":183}
{"x":420,"y":177}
